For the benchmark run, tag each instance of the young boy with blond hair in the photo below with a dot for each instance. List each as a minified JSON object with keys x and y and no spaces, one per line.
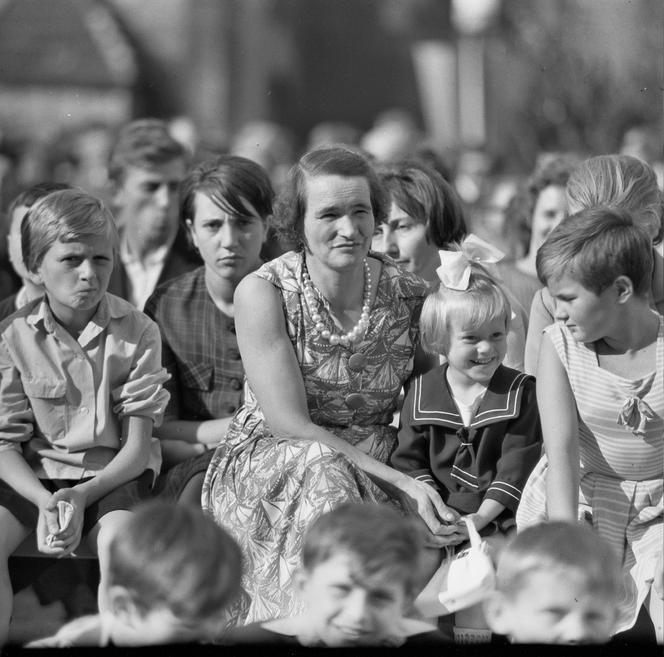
{"x":556,"y":582}
{"x":81,"y":386}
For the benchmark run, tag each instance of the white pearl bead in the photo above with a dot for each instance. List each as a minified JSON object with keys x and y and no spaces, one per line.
{"x":344,"y":340}
{"x":316,"y":318}
{"x":326,"y":334}
{"x":334,"y":339}
{"x":320,"y":326}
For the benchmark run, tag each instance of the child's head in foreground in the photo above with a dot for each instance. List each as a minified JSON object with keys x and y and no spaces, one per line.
{"x":359,"y":565}
{"x":468,"y":326}
{"x":556,"y":582}
{"x":172,"y":572}
{"x":69,"y":240}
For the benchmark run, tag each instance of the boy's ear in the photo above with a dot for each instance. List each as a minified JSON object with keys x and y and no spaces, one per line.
{"x":120,"y":603}
{"x":496,"y":612}
{"x":35,"y":277}
{"x":624,"y":288}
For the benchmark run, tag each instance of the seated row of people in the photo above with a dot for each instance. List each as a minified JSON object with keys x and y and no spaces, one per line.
{"x":329,"y":334}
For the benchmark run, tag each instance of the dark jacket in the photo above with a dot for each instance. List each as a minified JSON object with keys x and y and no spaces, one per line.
{"x":492,"y":458}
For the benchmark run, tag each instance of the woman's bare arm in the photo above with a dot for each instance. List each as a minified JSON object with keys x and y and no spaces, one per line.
{"x":274,"y":375}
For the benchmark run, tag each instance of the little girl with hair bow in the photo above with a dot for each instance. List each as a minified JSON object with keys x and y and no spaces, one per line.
{"x":470,"y":427}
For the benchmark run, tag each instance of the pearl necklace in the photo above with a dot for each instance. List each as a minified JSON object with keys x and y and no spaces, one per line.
{"x":315,"y":299}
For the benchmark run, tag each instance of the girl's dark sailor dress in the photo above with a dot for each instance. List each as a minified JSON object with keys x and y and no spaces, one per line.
{"x":492,"y":458}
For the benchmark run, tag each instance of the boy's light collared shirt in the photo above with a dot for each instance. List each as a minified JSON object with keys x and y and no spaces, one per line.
{"x":62,"y":400}
{"x":143,"y":275}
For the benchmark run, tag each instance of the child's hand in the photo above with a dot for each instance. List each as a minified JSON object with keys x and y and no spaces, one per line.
{"x":478,"y":521}
{"x":47,"y":525}
{"x":424,"y":500}
{"x":67,"y":538}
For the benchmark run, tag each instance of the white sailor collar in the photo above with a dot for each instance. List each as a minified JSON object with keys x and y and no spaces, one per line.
{"x":502,"y":400}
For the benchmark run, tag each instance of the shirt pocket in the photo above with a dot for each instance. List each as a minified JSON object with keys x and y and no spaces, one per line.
{"x":48,"y":400}
{"x":197,"y":376}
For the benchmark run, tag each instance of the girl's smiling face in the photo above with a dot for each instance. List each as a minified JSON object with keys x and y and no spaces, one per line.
{"x":475,"y":352}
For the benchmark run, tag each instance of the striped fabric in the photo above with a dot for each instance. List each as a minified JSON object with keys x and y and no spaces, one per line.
{"x":622,"y":469}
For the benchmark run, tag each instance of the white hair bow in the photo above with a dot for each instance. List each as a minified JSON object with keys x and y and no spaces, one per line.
{"x":454,"y":270}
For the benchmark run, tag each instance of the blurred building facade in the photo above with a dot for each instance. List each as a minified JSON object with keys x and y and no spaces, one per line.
{"x":224,"y":63}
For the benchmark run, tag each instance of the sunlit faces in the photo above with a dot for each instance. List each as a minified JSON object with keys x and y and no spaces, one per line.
{"x":147,"y":201}
{"x":587,"y":315}
{"x":229,"y":243}
{"x":554,"y":607}
{"x":475,"y":352}
{"x":75,"y":276}
{"x":14,"y":247}
{"x":550,"y":209}
{"x":404,"y":238}
{"x":339,"y":221}
{"x":347,"y":610}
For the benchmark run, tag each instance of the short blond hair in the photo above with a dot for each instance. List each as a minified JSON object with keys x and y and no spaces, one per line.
{"x":66,"y":216}
{"x":483,"y":301}
{"x":619,"y":181}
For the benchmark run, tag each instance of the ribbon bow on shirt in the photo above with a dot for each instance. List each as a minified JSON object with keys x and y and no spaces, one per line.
{"x":455,"y":266}
{"x":635,"y":414}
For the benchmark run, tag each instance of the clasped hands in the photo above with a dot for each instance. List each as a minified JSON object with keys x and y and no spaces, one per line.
{"x":445,"y":526}
{"x":52,"y":539}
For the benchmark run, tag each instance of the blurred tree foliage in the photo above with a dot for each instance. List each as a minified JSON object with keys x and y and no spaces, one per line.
{"x":573,"y":75}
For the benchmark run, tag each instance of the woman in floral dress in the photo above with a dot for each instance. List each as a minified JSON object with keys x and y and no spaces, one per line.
{"x":328,"y":336}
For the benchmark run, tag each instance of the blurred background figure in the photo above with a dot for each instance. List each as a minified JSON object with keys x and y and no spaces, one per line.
{"x":269,"y":144}
{"x":79,"y":157}
{"x":327,"y":133}
{"x":393,"y":136}
{"x":184,"y":130}
{"x":646,"y":142}
{"x":146,"y":168}
{"x":273,"y":147}
{"x":534,"y":211}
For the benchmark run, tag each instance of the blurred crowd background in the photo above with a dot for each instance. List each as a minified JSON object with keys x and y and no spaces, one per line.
{"x":483,"y":90}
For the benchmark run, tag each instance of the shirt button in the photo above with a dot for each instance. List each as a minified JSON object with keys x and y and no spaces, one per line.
{"x":83,"y":410}
{"x":236,"y":384}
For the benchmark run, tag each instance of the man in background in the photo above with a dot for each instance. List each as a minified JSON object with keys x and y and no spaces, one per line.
{"x":146,"y":167}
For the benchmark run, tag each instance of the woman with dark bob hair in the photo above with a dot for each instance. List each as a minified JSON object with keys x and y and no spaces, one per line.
{"x":426,"y":216}
{"x":328,"y":335}
{"x":225,"y":205}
